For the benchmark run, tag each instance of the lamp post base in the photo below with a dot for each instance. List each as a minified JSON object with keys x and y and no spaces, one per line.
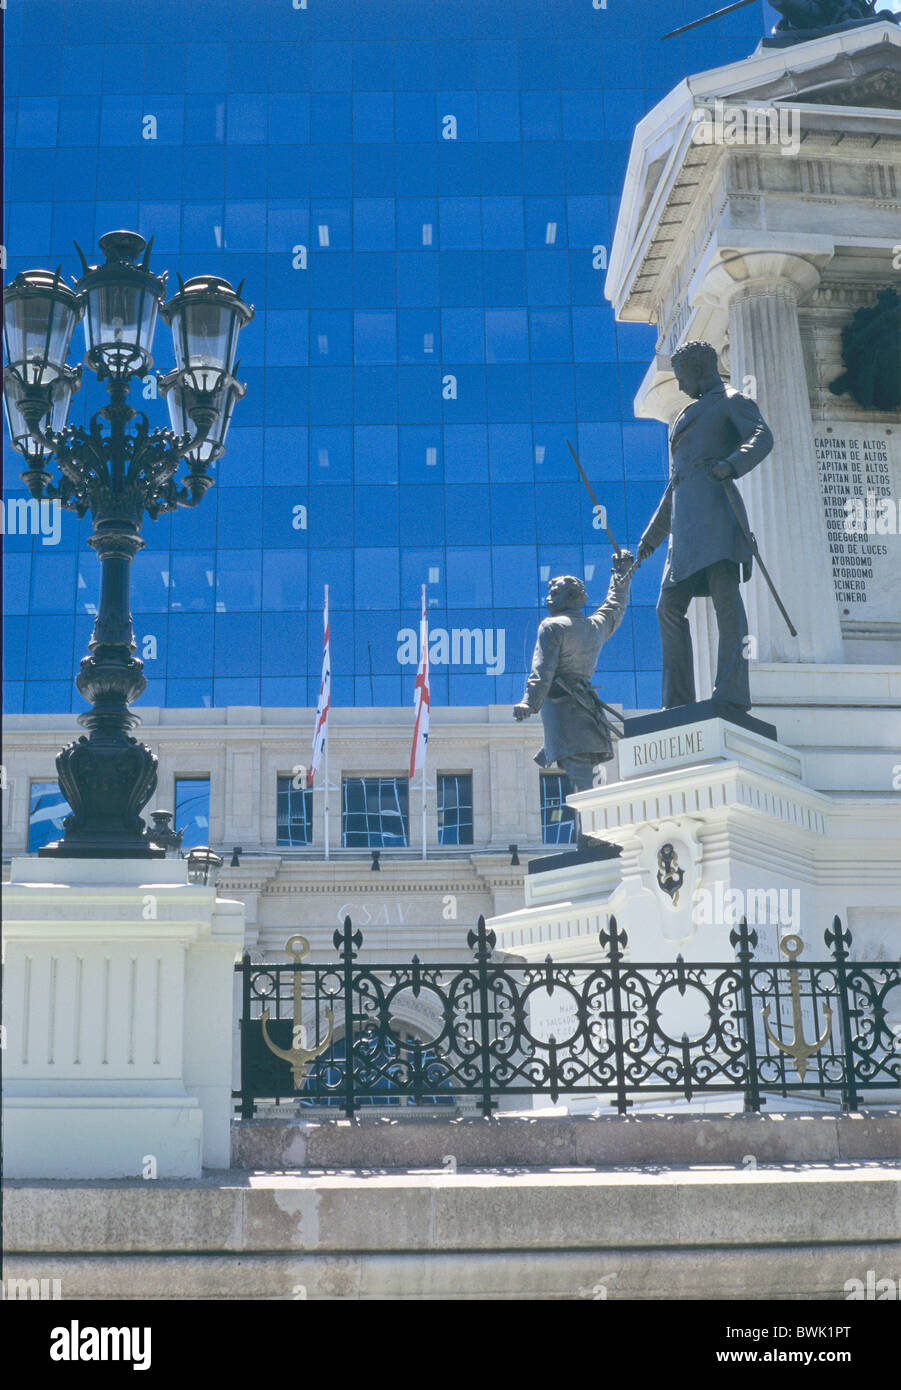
{"x":106,"y":779}
{"x":102,"y":848}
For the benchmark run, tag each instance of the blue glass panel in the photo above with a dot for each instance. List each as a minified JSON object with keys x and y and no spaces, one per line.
{"x":285,"y":453}
{"x":52,"y":582}
{"x":15,"y":644}
{"x":29,"y":225}
{"x":375,"y":454}
{"x":376,"y":519}
{"x":192,"y":582}
{"x":506,"y":335}
{"x":467,"y":515}
{"x":463,"y":335}
{"x":238,"y":580}
{"x":50,"y":650}
{"x":421,"y":515}
{"x":48,"y":697}
{"x":284,"y":580}
{"x":16,"y":582}
{"x":375,"y":337}
{"x":14,"y":697}
{"x":331,"y":66}
{"x":189,"y":694}
{"x":512,"y":513}
{"x":376,"y":577}
{"x":421,"y":454}
{"x":499,"y":115}
{"x":419,"y":335}
{"x":373,"y":116}
{"x":455,"y":61}
{"x":417,"y":278}
{"x":190,"y":645}
{"x":237,"y":645}
{"x":416,"y":167}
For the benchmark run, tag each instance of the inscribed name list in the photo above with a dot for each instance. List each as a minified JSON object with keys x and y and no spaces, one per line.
{"x":860,"y":485}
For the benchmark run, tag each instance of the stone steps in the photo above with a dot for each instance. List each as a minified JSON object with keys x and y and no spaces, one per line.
{"x":568,"y":1207}
{"x":549,"y":1138}
{"x":792,"y":1230}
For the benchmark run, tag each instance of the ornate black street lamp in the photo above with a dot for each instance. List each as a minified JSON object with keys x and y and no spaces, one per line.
{"x":117,"y":470}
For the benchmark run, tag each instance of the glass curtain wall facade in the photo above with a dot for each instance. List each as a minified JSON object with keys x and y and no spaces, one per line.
{"x":420,"y":197}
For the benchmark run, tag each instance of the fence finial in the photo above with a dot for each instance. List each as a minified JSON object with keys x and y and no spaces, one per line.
{"x":481,"y":941}
{"x":745,"y":940}
{"x":347,"y":939}
{"x":838,"y":940}
{"x":613,"y":938}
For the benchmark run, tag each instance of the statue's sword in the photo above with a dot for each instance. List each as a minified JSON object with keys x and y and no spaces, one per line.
{"x":727,"y":9}
{"x":594,"y":501}
{"x":752,"y":542}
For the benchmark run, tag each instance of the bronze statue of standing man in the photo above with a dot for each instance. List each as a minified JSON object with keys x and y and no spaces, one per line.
{"x":719,"y":437}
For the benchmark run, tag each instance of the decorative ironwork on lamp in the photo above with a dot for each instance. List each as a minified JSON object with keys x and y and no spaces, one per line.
{"x":118,"y":469}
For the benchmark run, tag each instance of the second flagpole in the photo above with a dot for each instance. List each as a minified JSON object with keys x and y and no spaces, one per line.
{"x":325,"y":785}
{"x":424,"y":637}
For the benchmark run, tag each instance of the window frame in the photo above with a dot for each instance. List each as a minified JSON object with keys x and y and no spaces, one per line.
{"x":458,"y":808}
{"x":192,"y":777}
{"x":305,"y":794}
{"x":400,"y":780}
{"x":566,"y":815}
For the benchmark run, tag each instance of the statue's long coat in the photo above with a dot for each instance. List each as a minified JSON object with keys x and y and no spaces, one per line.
{"x":565,"y":656}
{"x":725,"y":427}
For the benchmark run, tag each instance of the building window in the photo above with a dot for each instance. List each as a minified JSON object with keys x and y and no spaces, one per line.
{"x":375,"y":811}
{"x":294,"y":815}
{"x":455,"y":809}
{"x":557,"y":819}
{"x":192,"y":810}
{"x":45,"y":815}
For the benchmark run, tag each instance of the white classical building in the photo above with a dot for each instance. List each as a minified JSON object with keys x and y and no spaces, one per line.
{"x":242,"y":765}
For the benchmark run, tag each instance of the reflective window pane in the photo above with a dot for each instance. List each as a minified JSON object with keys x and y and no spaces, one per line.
{"x":294,"y":814}
{"x":47,"y":807}
{"x":192,"y":810}
{"x":455,"y":809}
{"x":375,"y":812}
{"x":557,"y":819}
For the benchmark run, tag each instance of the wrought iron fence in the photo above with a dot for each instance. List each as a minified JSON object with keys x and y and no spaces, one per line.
{"x":347,"y":1034}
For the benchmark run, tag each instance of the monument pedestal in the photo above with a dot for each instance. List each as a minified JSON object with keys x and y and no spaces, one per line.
{"x":717,"y":821}
{"x":118,"y":1010}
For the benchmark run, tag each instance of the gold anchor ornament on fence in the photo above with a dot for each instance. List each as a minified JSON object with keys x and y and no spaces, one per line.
{"x":299,"y":1056}
{"x":799,"y":1050}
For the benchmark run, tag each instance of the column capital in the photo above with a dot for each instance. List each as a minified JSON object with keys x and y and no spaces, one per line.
{"x":739,"y":274}
{"x":658,"y":397}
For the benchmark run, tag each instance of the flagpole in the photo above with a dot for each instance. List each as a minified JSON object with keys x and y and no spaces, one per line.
{"x":425,"y":638}
{"x":325,"y":785}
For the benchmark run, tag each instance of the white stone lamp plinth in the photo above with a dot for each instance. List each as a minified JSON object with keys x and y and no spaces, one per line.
{"x":118,"y":1017}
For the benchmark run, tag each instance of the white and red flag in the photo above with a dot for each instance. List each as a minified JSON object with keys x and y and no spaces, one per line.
{"x":421,"y":697}
{"x":320,"y":733}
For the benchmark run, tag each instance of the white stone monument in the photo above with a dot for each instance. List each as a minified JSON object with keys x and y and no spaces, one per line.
{"x":762,"y":209}
{"x":118,"y":1017}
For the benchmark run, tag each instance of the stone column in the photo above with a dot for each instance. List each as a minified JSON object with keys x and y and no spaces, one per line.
{"x":782,"y":495}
